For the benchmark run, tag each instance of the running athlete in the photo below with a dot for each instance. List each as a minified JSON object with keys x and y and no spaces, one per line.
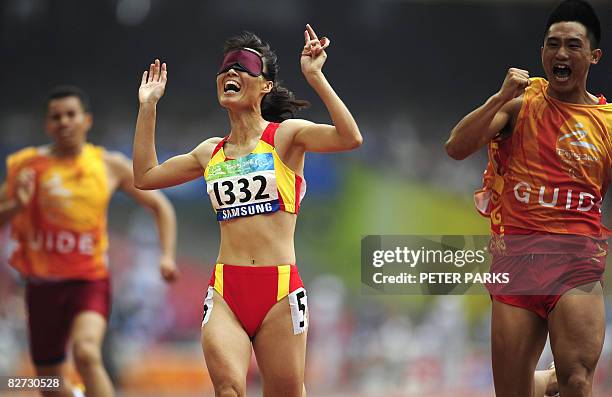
{"x":549,"y":167}
{"x":254,"y":179}
{"x":56,"y":198}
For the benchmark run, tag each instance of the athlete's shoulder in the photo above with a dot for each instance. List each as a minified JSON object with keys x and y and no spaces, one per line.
{"x":534,"y":92}
{"x":204,"y":151}
{"x":536,"y":89}
{"x":22,"y":156}
{"x":605,"y":112}
{"x":290,"y":126}
{"x":288,"y":129}
{"x":117,"y":163}
{"x":604,"y":105}
{"x":210,"y":141}
{"x":537,"y":84}
{"x":114,"y":157}
{"x":96,"y":150}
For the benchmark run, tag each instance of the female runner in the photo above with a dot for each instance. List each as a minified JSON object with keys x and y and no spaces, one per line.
{"x":254,"y":177}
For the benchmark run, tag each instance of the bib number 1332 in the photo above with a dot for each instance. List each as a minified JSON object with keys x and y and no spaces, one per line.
{"x":242,"y":190}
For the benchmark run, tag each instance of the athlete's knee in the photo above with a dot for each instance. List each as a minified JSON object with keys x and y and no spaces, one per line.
{"x":87,"y":354}
{"x":579,"y":382}
{"x":578,"y":379}
{"x":229,"y":388}
{"x":289,"y":386}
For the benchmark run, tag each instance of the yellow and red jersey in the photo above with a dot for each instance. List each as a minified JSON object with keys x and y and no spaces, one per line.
{"x":258,"y":183}
{"x":550,"y":175}
{"x":62,"y":233}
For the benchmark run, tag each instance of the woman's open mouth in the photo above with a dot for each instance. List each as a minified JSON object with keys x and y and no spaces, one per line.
{"x":231,"y":87}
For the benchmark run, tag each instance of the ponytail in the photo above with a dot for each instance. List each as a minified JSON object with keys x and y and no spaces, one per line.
{"x":280,"y":104}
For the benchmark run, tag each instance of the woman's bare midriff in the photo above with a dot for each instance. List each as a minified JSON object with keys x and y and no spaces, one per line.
{"x":260,"y":240}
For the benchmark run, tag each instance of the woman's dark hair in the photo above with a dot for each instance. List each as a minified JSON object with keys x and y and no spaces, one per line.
{"x":280,"y":103}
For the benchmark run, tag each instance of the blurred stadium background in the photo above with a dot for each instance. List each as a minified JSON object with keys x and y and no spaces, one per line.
{"x":408,"y":70}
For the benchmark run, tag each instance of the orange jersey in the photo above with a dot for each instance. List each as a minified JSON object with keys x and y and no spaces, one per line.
{"x":61,"y":234}
{"x":550,"y":175}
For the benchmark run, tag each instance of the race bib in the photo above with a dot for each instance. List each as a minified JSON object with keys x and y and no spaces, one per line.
{"x":243,"y":187}
{"x":298,"y":302}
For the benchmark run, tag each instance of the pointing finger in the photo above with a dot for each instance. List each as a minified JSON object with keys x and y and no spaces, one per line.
{"x":311,"y":31}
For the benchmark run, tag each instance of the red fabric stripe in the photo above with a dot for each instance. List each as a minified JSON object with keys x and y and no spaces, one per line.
{"x":268,"y":137}
{"x":295,"y":281}
{"x":269,"y":132}
{"x":298,"y":190}
{"x":280,"y":200}
{"x":219,"y":146}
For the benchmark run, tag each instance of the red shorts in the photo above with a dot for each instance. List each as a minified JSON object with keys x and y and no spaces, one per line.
{"x":251,"y":291}
{"x":52,"y":306}
{"x":537,"y":281}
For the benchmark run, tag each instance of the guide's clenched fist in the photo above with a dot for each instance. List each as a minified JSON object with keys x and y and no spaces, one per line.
{"x":514,"y":84}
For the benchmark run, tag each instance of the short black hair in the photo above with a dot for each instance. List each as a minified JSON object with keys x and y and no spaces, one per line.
{"x":577,"y":11}
{"x":64,"y":91}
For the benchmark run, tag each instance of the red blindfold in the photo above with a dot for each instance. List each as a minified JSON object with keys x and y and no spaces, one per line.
{"x":243,"y":60}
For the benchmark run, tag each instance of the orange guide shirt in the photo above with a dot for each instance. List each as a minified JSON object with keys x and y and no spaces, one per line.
{"x":550,"y":175}
{"x":61,"y":234}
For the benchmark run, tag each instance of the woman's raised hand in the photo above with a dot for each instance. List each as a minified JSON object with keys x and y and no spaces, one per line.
{"x":153,"y":83}
{"x":313,"y":54}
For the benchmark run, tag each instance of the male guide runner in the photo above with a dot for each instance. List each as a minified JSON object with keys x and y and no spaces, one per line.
{"x":549,"y":168}
{"x":56,"y":198}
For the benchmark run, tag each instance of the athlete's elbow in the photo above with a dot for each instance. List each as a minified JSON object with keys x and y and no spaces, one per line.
{"x":356,"y":142}
{"x":454,"y":151}
{"x":141,"y":184}
{"x":145,"y":187}
{"x":138,"y":183}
